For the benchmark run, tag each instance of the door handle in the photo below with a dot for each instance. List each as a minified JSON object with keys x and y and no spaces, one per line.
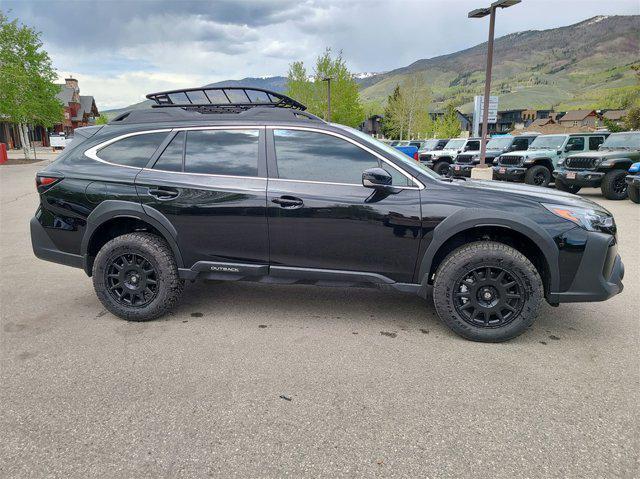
{"x":164,"y":194}
{"x":289,"y":202}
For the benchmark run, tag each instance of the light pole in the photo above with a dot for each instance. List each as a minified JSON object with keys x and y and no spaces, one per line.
{"x":328,"y":80}
{"x":480,"y":13}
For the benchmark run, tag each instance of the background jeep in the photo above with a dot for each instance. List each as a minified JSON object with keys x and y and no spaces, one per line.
{"x":633,"y":182}
{"x":465,"y":162}
{"x":536,"y":165}
{"x":605,"y":168}
{"x":441,"y":161}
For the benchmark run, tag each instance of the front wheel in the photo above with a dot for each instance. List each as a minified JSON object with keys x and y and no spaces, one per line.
{"x":135,"y":277}
{"x":538,"y":175}
{"x":487,"y":291}
{"x":566,"y":187}
{"x":614,"y":186}
{"x":442,"y":168}
{"x":634,"y":194}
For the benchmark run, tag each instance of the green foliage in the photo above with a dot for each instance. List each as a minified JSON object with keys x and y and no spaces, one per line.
{"x":632,"y":120}
{"x":346,"y":107}
{"x":612,"y":126}
{"x":406,"y":115}
{"x":27,"y":89}
{"x":447,"y":126}
{"x":102,"y":120}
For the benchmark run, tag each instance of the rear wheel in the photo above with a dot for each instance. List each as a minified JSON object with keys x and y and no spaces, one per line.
{"x":634,"y":193}
{"x":562,"y":186}
{"x":487,"y":291}
{"x":538,"y":175}
{"x":442,"y":168}
{"x":613,"y":186}
{"x":135,"y":277}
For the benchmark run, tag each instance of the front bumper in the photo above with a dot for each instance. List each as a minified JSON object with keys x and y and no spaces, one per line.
{"x":509,"y":173}
{"x":45,"y":249}
{"x":585,"y":178}
{"x":633,"y":180}
{"x":599,"y":275}
{"x":462,"y":169}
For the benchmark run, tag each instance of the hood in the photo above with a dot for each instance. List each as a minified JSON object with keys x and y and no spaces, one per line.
{"x":532,"y":193}
{"x":542,"y":152}
{"x":606,"y":154}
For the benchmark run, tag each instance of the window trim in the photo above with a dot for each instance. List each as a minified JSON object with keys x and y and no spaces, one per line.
{"x":272,"y":128}
{"x":93,"y":151}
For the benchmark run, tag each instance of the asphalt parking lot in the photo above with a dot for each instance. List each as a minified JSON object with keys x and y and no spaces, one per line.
{"x":247,"y":380}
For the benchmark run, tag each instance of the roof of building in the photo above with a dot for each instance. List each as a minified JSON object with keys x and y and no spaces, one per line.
{"x":577,"y":115}
{"x":542,"y":122}
{"x":614,"y":114}
{"x":65,"y":95}
{"x":87,"y":105}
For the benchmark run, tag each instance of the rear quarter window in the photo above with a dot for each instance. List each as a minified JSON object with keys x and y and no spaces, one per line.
{"x":133,"y":151}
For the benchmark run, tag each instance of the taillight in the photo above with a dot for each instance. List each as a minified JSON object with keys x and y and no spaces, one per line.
{"x":45,"y":182}
{"x":416,"y":156}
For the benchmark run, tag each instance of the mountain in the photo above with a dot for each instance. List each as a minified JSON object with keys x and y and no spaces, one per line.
{"x":582,"y":65}
{"x":577,"y":65}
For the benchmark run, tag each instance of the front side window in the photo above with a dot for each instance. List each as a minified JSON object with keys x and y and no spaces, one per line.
{"x":520,"y":144}
{"x":132,"y":151}
{"x":473,"y":145}
{"x":575,"y":143}
{"x":313,"y":156}
{"x":222,"y":152}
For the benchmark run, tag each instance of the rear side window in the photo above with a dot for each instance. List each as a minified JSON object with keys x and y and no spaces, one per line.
{"x":595,"y":142}
{"x":132,"y":151}
{"x":312,"y":156}
{"x":171,"y":157}
{"x":222,"y":152}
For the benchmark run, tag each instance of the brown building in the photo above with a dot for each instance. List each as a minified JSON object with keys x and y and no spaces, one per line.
{"x":586,"y":118}
{"x":79,"y":110}
{"x":616,"y":116}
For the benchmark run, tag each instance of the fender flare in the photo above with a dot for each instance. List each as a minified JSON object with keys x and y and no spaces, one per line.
{"x":110,"y":209}
{"x":542,"y":162}
{"x":472,"y":218}
{"x":615,"y":163}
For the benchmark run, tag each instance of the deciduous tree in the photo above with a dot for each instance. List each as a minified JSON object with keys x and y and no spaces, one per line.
{"x":27,"y":89}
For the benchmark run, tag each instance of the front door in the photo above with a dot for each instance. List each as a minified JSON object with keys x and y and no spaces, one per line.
{"x":321,"y":217}
{"x":210,"y":183}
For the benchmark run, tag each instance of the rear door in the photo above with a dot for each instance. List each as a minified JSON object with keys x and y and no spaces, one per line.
{"x":210,"y":183}
{"x":320,"y":215}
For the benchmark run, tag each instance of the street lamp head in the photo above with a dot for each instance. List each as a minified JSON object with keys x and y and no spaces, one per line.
{"x":505,"y":3}
{"x":479,"y":12}
{"x":483,"y":12}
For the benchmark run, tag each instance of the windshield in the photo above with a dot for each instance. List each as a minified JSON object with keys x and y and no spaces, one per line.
{"x":552,"y":142}
{"x":455,"y":144}
{"x":411,"y":166}
{"x":499,"y":143}
{"x":622,"y":140}
{"x":430,"y":145}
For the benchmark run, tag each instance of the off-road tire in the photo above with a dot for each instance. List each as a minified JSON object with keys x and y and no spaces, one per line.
{"x":538,"y":175}
{"x":566,"y":187}
{"x":442,"y":168}
{"x":158,"y":254}
{"x":496,"y":256}
{"x":611,"y":186}
{"x":634,"y":193}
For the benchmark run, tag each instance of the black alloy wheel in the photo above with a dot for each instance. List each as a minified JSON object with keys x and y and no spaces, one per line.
{"x":131,"y":280}
{"x":488,"y":297}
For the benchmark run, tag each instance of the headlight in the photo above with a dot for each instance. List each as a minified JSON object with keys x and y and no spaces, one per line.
{"x":587,"y":218}
{"x":527,"y":160}
{"x":561,"y":162}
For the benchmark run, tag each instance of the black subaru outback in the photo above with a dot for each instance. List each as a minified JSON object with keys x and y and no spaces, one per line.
{"x":244,"y":184}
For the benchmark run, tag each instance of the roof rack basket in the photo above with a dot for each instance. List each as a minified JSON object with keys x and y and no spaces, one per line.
{"x":223,"y":99}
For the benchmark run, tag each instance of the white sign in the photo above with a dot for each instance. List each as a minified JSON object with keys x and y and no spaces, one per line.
{"x":58,"y":141}
{"x":478,"y":106}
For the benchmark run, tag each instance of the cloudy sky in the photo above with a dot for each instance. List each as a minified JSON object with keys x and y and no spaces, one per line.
{"x":121,"y":50}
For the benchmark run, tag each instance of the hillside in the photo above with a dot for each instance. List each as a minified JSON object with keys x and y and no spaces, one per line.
{"x":571,"y":66}
{"x":582,"y":65}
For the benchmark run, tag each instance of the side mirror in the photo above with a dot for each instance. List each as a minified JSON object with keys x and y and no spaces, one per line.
{"x":376,"y":178}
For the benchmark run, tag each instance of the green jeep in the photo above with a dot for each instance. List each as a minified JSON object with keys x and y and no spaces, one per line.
{"x":605,"y":168}
{"x":535,"y":166}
